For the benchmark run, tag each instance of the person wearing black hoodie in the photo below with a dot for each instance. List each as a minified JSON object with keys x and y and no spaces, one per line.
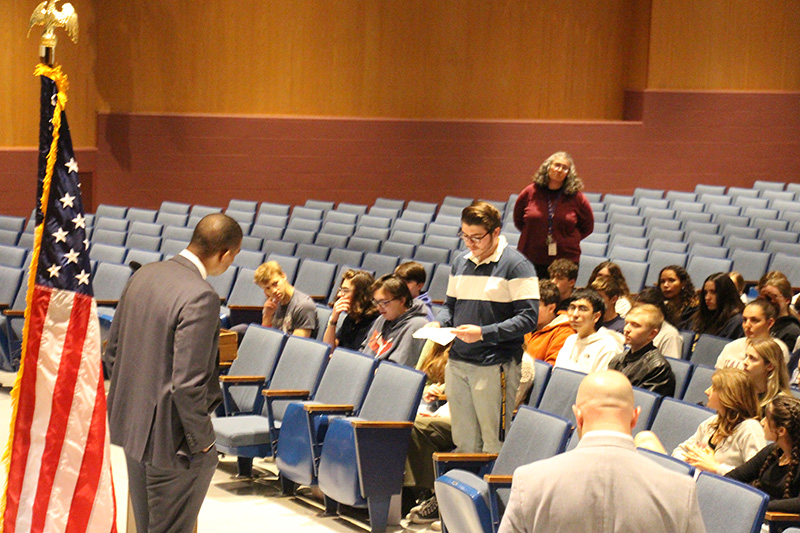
{"x":391,"y":335}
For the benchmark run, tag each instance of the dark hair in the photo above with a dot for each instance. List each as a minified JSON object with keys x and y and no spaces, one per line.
{"x":548,"y":292}
{"x":572,"y":183}
{"x":411,"y":271}
{"x":394,"y":286}
{"x":594,"y":299}
{"x":215,"y":233}
{"x":653,"y":296}
{"x":563,"y":268}
{"x":615,"y":272}
{"x":784,"y":412}
{"x":361,"y":305}
{"x":767,"y":307}
{"x":728,"y":305}
{"x":480,"y":213}
{"x":688,"y":295}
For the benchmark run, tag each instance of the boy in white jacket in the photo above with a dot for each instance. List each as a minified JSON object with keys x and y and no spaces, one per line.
{"x":589,"y":349}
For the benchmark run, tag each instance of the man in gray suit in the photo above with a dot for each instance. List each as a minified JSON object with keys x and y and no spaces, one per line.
{"x":162,"y":355}
{"x":604,"y":485}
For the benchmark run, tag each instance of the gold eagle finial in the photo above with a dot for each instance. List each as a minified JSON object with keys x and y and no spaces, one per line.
{"x":51,"y":18}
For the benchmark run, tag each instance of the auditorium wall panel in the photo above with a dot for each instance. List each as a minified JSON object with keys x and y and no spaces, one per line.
{"x":684,"y":138}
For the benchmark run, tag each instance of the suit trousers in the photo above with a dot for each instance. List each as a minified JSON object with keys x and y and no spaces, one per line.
{"x":476,"y":396}
{"x":169,"y":501}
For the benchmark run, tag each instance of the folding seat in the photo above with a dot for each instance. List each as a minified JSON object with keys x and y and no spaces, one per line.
{"x":585,"y":267}
{"x":406,"y":237}
{"x":279,"y":247}
{"x":784,"y":206}
{"x":619,"y":199}
{"x":456,"y":201}
{"x":380,"y":264}
{"x":143,"y":257}
{"x":244,"y":206}
{"x":699,"y":267}
{"x":356,"y":209}
{"x":623,"y":209}
{"x":199,"y":211}
{"x":252,"y":243}
{"x":698,"y":383}
{"x":760,"y":213}
{"x":682,"y":196}
{"x":340,"y":256}
{"x":384,"y":212}
{"x":289,"y":264}
{"x":596,"y":237}
{"x":788,"y":264}
{"x":707,"y":349}
{"x":334,"y":228}
{"x":731,"y":220}
{"x":742,"y":192}
{"x":312,"y":251}
{"x":635,"y":273}
{"x":658,"y":259}
{"x":673,"y":235}
{"x":559,"y":396}
{"x":619,"y":251}
{"x":244,"y":218}
{"x":25,"y":240}
{"x":174,"y":207}
{"x":650,"y":213}
{"x":597,"y":207}
{"x":315,"y":278}
{"x":684,"y":206}
{"x":717,"y":209}
{"x":304,"y":224}
{"x":143,"y":242}
{"x":12,"y":256}
{"x":10,"y":223}
{"x":744,"y":509}
{"x":110,"y":211}
{"x":362,"y":459}
{"x":364,"y":244}
{"x":778,"y":247}
{"x":9,"y":237}
{"x":10,"y":280}
{"x":432,"y":254}
{"x":591,"y":196}
{"x":299,"y":370}
{"x":668,"y":462}
{"x":683,"y":372}
{"x":750,"y":201}
{"x":739,"y":231}
{"x":764,"y":185}
{"x":245,"y":300}
{"x":341,"y":392}
{"x":138,"y":214}
{"x":331,"y":241}
{"x":399,"y":249}
{"x":768,"y":235}
{"x":709,"y":189}
{"x":270,"y":208}
{"x":640,"y":193}
{"x":422,"y":207}
{"x":618,"y":219}
{"x":107,"y":253}
{"x":655,"y":203}
{"x":734,"y":242}
{"x":114,"y":224}
{"x":172,"y":247}
{"x":445,"y":230}
{"x":594,"y":248}
{"x":708,"y":239}
{"x":416,"y":216}
{"x":449,"y":214}
{"x":249,"y":259}
{"x":146,"y":228}
{"x":675,"y":420}
{"x":780,"y":196}
{"x":299,"y":236}
{"x":374,"y":221}
{"x":437,"y":288}
{"x":692,"y":226}
{"x":108,"y":282}
{"x":708,"y":250}
{"x":715,"y":199}
{"x":625,"y":239}
{"x":322,"y":205}
{"x":223,"y":284}
{"x":107,"y":236}
{"x":442,"y":241}
{"x":171,"y":219}
{"x":750,"y":264}
{"x":766,"y":223}
{"x":268,"y":219}
{"x":390,"y":203}
{"x":308,"y":213}
{"x":340,"y":217}
{"x":267,"y":232}
{"x":599,"y":216}
{"x":466,"y":501}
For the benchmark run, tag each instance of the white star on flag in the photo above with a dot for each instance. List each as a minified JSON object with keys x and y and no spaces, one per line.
{"x":72,"y":165}
{"x":83,"y":278}
{"x":67,"y":200}
{"x":54,"y":270}
{"x":72,"y":256}
{"x":80,"y":221}
{"x":60,"y":235}
{"x":54,"y":99}
{"x":85,"y":244}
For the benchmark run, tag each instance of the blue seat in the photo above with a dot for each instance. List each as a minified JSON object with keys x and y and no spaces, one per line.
{"x":341,"y":391}
{"x":289,"y":264}
{"x":560,"y":393}
{"x":143,"y":257}
{"x":659,"y":259}
{"x":275,"y":221}
{"x":249,"y":259}
{"x":362,"y":459}
{"x":635,"y":273}
{"x":299,"y":370}
{"x":271,"y":208}
{"x":331,"y":241}
{"x":367,"y":245}
{"x":469,"y":504}
{"x":317,"y":252}
{"x":700,"y":267}
{"x":172,"y":219}
{"x":356,"y":209}
{"x":174,"y":207}
{"x":308,"y":213}
{"x":749,"y":263}
{"x":668,"y":462}
{"x":707,"y":349}
{"x":138,"y":214}
{"x":675,"y":421}
{"x":683,"y":372}
{"x":243,"y":205}
{"x":379,"y":263}
{"x":12,"y":256}
{"x":540,"y":379}
{"x":315,"y":278}
{"x":698,"y":383}
{"x":222,"y":283}
{"x":271,"y":246}
{"x":743,"y":509}
{"x":322,"y":205}
{"x":112,"y":211}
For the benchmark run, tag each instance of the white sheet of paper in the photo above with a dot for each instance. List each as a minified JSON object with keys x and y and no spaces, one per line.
{"x":440,"y":336}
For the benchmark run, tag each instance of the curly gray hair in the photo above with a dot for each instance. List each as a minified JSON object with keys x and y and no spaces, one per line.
{"x":572,"y":183}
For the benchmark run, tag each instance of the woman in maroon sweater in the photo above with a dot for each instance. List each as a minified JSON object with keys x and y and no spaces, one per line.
{"x":553,"y":214}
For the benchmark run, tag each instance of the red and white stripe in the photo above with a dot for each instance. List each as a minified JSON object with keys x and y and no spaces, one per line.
{"x":60,"y":471}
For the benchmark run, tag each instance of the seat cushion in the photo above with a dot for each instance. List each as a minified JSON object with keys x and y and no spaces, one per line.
{"x":236,"y":431}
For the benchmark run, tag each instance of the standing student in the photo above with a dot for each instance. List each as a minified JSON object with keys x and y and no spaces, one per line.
{"x":162,"y":352}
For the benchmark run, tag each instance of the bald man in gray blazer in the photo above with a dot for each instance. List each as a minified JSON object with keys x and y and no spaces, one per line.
{"x":604,"y":485}
{"x":162,"y":355}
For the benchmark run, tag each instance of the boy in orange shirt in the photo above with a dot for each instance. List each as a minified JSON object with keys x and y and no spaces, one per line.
{"x":552,"y":328}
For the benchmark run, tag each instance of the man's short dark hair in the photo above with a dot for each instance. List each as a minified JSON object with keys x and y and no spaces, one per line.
{"x":394,"y":286}
{"x":563,"y":268}
{"x":411,"y":271}
{"x":214,"y":234}
{"x":594,"y":299}
{"x":548,"y":292}
{"x":480,"y":213}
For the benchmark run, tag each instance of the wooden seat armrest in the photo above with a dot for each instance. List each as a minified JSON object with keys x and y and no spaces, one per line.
{"x":381,"y":425}
{"x":246,"y":307}
{"x":242,"y":379}
{"x":225,"y":364}
{"x":271,"y":393}
{"x":498,"y":479}
{"x":328,"y":408}
{"x":446,"y":457}
{"x":3,"y":307}
{"x":14,"y":312}
{"x":318,"y":298}
{"x":107,"y":303}
{"x":775,"y":516}
{"x":222,"y":300}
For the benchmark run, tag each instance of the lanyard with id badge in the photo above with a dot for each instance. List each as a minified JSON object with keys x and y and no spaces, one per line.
{"x":552,"y":203}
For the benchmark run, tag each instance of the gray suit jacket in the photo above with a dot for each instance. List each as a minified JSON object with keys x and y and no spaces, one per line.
{"x":162,"y":355}
{"x":603,"y":485}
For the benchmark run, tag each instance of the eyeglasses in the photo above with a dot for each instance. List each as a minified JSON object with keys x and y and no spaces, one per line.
{"x":560,"y":167}
{"x":383,"y":303}
{"x":345,"y":291}
{"x":471,"y":238}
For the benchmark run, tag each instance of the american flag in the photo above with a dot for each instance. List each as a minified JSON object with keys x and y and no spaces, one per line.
{"x":59,"y":469}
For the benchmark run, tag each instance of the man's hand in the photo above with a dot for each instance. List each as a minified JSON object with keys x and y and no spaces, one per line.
{"x":432,"y":324}
{"x":270,"y":306}
{"x":468,"y":333}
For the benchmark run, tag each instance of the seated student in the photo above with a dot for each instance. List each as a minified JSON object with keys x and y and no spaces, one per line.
{"x":610,"y":291}
{"x":668,"y":341}
{"x":355,"y":300}
{"x":286,"y":308}
{"x":552,"y":328}
{"x":758,"y":317}
{"x":720,"y":310}
{"x":391,"y":335}
{"x":765,"y":367}
{"x":677,"y":289}
{"x":564,"y":273}
{"x":642,"y":363}
{"x":729,"y":438}
{"x":414,"y":276}
{"x":776,"y":469}
{"x":609,"y":269}
{"x":591,"y":348}
{"x":775,"y":287}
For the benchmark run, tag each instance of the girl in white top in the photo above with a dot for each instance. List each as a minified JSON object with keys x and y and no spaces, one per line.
{"x":757,"y":319}
{"x":727,"y":439}
{"x":764,"y":363}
